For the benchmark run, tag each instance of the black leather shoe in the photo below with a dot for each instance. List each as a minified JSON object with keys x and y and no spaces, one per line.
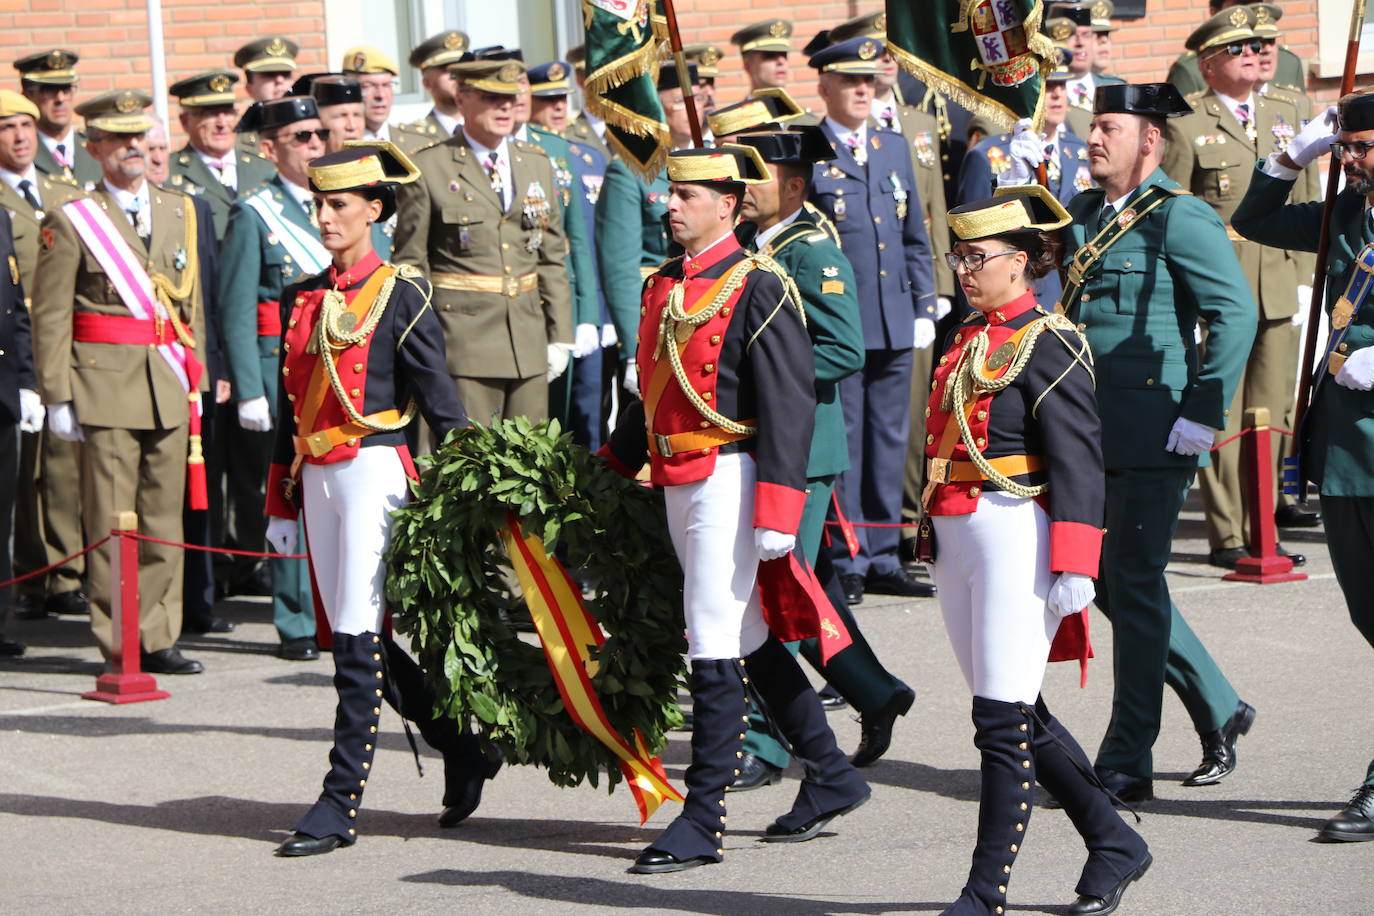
{"x":70,"y":602}
{"x":258,"y":582}
{"x":302,"y":844}
{"x":1108,"y":904}
{"x":170,"y":661}
{"x":1355,"y":822}
{"x":831,"y":699}
{"x":304,"y":649}
{"x":807,"y":831}
{"x":754,"y":771}
{"x":455,"y":814}
{"x":1127,"y":789}
{"x":1297,"y":558}
{"x":1226,"y":557}
{"x":853,"y":586}
{"x":1219,"y":748}
{"x":1295,"y":516}
{"x":11,"y":649}
{"x":898,"y":582}
{"x":211,"y":625}
{"x":30,"y":607}
{"x":877,"y":728}
{"x":655,"y":862}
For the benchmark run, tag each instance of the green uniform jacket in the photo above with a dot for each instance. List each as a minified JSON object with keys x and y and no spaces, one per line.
{"x":1210,"y":156}
{"x":826,"y":283}
{"x":567,"y":172}
{"x":631,"y":242}
{"x":1140,"y":304}
{"x":86,"y":171}
{"x":191,"y":175}
{"x":1338,"y":447}
{"x":450,"y":224}
{"x":1187,"y":78}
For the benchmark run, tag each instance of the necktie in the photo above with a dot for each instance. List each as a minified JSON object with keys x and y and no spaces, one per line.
{"x":139,"y":219}
{"x":26,"y":188}
{"x":1246,"y":123}
{"x":1105,"y":217}
{"x":221,"y":167}
{"x":888,"y":119}
{"x":494,"y":176}
{"x":62,"y":159}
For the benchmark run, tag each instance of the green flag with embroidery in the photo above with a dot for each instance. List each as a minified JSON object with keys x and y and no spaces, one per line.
{"x":623,"y":38}
{"x":987,"y":55}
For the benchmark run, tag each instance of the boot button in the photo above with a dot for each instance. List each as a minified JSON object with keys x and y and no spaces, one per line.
{"x":352,"y":832}
{"x":1001,"y":888}
{"x":1014,"y":847}
{"x":1025,"y":764}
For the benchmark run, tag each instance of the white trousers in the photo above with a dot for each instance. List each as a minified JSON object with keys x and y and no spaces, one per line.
{"x":993,"y":574}
{"x":711,"y":522}
{"x":347,"y":511}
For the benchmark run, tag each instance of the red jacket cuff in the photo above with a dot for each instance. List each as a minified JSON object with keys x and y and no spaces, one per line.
{"x":778,"y":507}
{"x":1075,"y":547}
{"x":278,"y":505}
{"x":615,"y":464}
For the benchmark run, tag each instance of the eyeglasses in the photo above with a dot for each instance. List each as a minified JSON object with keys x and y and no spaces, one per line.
{"x":1237,"y":48}
{"x":303,"y":136}
{"x":974,"y":262}
{"x":1356,"y":149}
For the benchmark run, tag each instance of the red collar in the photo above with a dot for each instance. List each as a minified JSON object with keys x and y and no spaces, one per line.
{"x":712,"y":256}
{"x":1004,"y":313}
{"x":355,"y":274}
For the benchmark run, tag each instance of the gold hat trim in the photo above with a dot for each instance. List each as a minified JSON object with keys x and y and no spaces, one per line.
{"x":1225,"y":38}
{"x":121,"y":124}
{"x":208,"y":99}
{"x":718,"y":166}
{"x":1011,"y":216}
{"x":367,"y":170}
{"x":552,"y":84}
{"x":440,"y":59}
{"x":270,"y":65}
{"x":744,"y":117}
{"x":858,"y":67}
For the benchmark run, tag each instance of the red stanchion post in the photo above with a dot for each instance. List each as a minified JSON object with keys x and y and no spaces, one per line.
{"x":126,"y":681}
{"x":1264,"y":565}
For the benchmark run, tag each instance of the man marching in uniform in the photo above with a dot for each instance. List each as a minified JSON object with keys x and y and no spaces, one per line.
{"x":722,"y":339}
{"x":118,"y":327}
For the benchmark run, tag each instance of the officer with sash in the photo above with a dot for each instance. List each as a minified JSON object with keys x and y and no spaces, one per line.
{"x":1336,"y":445}
{"x":483,"y":223}
{"x":269,"y":68}
{"x":1146,"y":261}
{"x":272,"y":241}
{"x":47,"y":510}
{"x":209,"y":165}
{"x":49,"y":80}
{"x":432,"y":57}
{"x":118,"y":331}
{"x":764,"y":48}
{"x":1290,"y":71}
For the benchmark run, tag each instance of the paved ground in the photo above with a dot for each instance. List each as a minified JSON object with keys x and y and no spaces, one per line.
{"x":175,"y":806}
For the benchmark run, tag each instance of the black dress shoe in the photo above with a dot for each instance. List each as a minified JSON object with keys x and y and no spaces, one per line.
{"x":877,"y":728}
{"x":655,"y":862}
{"x":11,"y":649}
{"x":1219,"y":748}
{"x":72,"y":602}
{"x":1086,"y":904}
{"x":1226,"y":557}
{"x":258,"y":582}
{"x":831,"y":699}
{"x":170,"y":661}
{"x":1355,"y":822}
{"x":1127,"y":789}
{"x":898,"y":582}
{"x":211,"y":625}
{"x":471,"y":795}
{"x":303,"y":844}
{"x":807,"y":831}
{"x":30,"y":607}
{"x":1297,"y":558}
{"x":754,"y":771}
{"x":1295,"y":516}
{"x":304,"y":649}
{"x":853,"y":586}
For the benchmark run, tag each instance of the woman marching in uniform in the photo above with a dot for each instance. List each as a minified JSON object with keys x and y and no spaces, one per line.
{"x":1016,"y":497}
{"x":361,"y":353}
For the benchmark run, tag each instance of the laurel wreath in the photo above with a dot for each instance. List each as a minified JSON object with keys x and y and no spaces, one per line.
{"x":447,"y":589}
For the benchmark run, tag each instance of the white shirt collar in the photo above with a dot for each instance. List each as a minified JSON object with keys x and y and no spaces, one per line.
{"x":522,"y":133}
{"x":450,"y":125}
{"x":13,"y":178}
{"x":842,"y":133}
{"x":126,"y":199}
{"x":383,"y":133}
{"x":1232,"y":104}
{"x":303,"y":196}
{"x":68,"y":142}
{"x":502,"y":149}
{"x":767,"y":235}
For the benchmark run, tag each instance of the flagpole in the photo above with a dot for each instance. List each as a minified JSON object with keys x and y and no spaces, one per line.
{"x":683,"y":74}
{"x":1309,"y":350}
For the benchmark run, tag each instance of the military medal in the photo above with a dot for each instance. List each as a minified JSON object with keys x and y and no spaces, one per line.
{"x":1224,"y":183}
{"x":1001,"y":356}
{"x":535,"y":210}
{"x":899,"y":194}
{"x":1126,"y":218}
{"x":834,"y":172}
{"x":464,"y":240}
{"x":179,"y":259}
{"x":839,"y":209}
{"x":1084,"y":179}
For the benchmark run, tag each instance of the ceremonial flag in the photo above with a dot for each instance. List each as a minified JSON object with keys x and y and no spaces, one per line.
{"x":987,"y":55}
{"x":623,"y":38}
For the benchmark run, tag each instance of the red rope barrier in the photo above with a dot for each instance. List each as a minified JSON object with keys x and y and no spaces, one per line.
{"x":225,"y":550}
{"x":51,"y":566}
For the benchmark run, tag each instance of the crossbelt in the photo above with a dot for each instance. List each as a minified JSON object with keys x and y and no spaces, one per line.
{"x":321,"y":443}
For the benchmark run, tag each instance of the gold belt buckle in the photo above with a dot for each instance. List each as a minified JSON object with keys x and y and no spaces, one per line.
{"x":318,"y":443}
{"x":512,"y":285}
{"x":665,"y":445}
{"x":937,"y":470}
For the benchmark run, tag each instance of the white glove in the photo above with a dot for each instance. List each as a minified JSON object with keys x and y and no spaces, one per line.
{"x":1026,"y":152}
{"x":925,"y":333}
{"x":1358,"y":372}
{"x":1314,"y":140}
{"x":632,"y":379}
{"x":254,"y":416}
{"x":942,"y":307}
{"x":281,"y":535}
{"x":586,"y":340}
{"x":30,"y":411}
{"x":1304,"y":303}
{"x":609,"y":338}
{"x":1189,"y":438}
{"x":1070,"y":593}
{"x":773,"y":544}
{"x":560,"y":354}
{"x":62,"y":423}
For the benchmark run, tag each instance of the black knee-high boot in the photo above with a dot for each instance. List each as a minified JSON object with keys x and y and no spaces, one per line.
{"x":719,"y":719}
{"x":466,"y":767}
{"x":1116,"y":853}
{"x":1003,"y":733}
{"x":360,"y":679}
{"x":832,"y":785}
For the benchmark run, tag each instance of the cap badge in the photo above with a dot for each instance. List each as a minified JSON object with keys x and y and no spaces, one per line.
{"x":710,"y":57}
{"x":1062,"y":31}
{"x":453,"y":41}
{"x":1099,"y":11}
{"x":57,"y":60}
{"x":868,"y":50}
{"x":1261,"y":16}
{"x":557,"y":71}
{"x":276,"y":47}
{"x":778,"y":29}
{"x":880,"y":21}
{"x":508,"y":73}
{"x":359,"y":60}
{"x":1239,"y":16}
{"x":127,"y":103}
{"x":219,"y":82}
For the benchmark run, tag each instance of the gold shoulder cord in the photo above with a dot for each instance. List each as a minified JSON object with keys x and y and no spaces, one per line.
{"x":168,"y":295}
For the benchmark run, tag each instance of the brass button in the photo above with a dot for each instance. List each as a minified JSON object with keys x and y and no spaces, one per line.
{"x":959,"y":338}
{"x":705,"y":425}
{"x":372,"y":729}
{"x":973,"y":492}
{"x":1021,"y":727}
{"x":291,"y":398}
{"x":508,"y":269}
{"x":285,"y":346}
{"x":352,"y":812}
{"x":1343,"y":347}
{"x":927,"y":411}
{"x":380,"y":675}
{"x":292,"y":322}
{"x":1022,"y":745}
{"x":1025,"y":787}
{"x":350,"y":444}
{"x":1015,"y":848}
{"x":285,"y":370}
{"x":706,"y":395}
{"x":1149,"y":381}
{"x":352,"y":832}
{"x":980,"y":442}
{"x":643,"y":310}
{"x":982,"y":415}
{"x":709,"y":367}
{"x":1001,"y":888}
{"x":448,"y":307}
{"x":877,"y":219}
{"x":882,"y":273}
{"x":1024,"y":806}
{"x":368,"y":766}
{"x":725,"y":312}
{"x":505,"y":246}
{"x":376,"y":710}
{"x":715,"y":339}
{"x":882,"y":246}
{"x":1126,"y":264}
{"x":300,"y":300}
{"x":706,"y":451}
{"x":276,"y":351}
{"x":367,"y":747}
{"x":357,"y":367}
{"x":379,"y":693}
{"x":355,"y":392}
{"x":930,"y":439}
{"x":944,"y":360}
{"x":1025,"y":764}
{"x":1020,"y":828}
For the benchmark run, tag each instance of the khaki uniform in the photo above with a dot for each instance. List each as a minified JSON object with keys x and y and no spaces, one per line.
{"x":418,"y":134}
{"x":47,"y":512}
{"x":1211,"y":156}
{"x":132,"y":409}
{"x":190,"y":175}
{"x":500,"y":281}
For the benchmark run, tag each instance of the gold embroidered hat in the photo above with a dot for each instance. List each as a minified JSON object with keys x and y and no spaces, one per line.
{"x":1026,"y":208}
{"x":769,"y":36}
{"x":361,"y":164}
{"x":205,"y":90}
{"x":12,"y":105}
{"x":54,"y":67}
{"x":440,"y":50}
{"x":367,"y":59}
{"x":500,"y":77}
{"x":1235,"y":23}
{"x":273,"y":54}
{"x":765,"y":108}
{"x":118,"y":112}
{"x":729,"y":163}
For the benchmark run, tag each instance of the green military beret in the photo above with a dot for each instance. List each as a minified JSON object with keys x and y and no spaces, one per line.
{"x":53,"y":67}
{"x":273,"y":54}
{"x":205,"y":90}
{"x":439,"y":50}
{"x":772,"y":35}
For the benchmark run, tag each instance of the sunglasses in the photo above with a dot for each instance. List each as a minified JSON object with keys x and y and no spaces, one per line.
{"x":1237,"y":48}
{"x":303,"y":136}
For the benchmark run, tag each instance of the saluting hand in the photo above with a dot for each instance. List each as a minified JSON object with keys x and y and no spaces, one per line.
{"x":1027,"y":151}
{"x":1313,"y":141}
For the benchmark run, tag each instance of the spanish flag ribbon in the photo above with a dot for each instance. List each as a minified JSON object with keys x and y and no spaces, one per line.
{"x":567,"y":633}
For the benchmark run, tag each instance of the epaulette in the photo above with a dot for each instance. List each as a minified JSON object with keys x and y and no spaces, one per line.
{"x":408,"y":272}
{"x":419,"y":127}
{"x":1288,"y":88}
{"x":424,"y":146}
{"x":61,"y":180}
{"x":1197,"y":94}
